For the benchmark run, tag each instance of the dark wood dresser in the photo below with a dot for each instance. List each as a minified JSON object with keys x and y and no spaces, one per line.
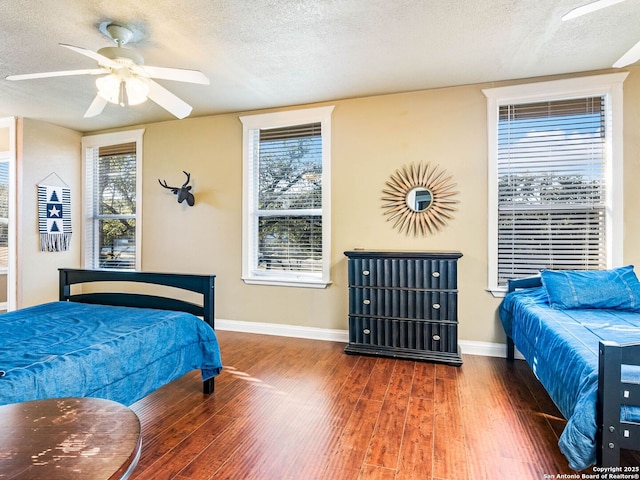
{"x":404,"y":305}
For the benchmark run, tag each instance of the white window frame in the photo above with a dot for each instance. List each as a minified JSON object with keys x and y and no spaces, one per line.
{"x":608,"y":85}
{"x":249,"y":231}
{"x":10,"y":156}
{"x":90,"y":238}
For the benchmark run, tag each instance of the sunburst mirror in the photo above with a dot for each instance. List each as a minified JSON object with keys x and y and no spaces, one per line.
{"x":419,"y":199}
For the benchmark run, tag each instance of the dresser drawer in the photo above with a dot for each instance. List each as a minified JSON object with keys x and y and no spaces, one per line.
{"x":437,"y":274}
{"x":409,"y":304}
{"x":404,"y":334}
{"x":404,"y":305}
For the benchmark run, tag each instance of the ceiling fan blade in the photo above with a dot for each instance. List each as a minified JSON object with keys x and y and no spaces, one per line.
{"x":101,"y":59}
{"x":96,"y":107}
{"x":632,"y":56}
{"x":176,"y":74}
{"x":29,"y":76}
{"x":589,"y":8}
{"x":168,"y":100}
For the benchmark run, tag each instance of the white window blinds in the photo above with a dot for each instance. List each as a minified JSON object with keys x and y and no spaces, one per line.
{"x":551,"y":166}
{"x":111,"y":217}
{"x":287,"y":188}
{"x":4,"y":214}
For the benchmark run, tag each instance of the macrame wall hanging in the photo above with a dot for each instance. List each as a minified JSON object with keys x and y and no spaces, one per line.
{"x":54,"y":214}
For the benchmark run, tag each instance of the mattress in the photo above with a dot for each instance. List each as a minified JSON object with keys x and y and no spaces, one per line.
{"x":561,"y":347}
{"x":68,"y":349}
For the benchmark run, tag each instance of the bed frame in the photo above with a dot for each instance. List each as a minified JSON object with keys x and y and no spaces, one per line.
{"x":202,"y":284}
{"x":613,"y":434}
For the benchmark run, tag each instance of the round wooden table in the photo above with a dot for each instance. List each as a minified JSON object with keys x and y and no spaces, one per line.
{"x":68,"y":438}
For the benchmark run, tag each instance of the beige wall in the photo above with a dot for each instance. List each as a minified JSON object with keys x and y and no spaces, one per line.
{"x":5,"y":136}
{"x":44,"y":149}
{"x":372,"y":137}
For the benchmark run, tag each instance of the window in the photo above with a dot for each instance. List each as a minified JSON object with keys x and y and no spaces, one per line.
{"x":286,"y":195}
{"x":8,"y":216}
{"x":112,"y":200}
{"x":4,"y":213}
{"x":555,"y":177}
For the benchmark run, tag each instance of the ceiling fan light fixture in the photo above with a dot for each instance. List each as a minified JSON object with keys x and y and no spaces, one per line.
{"x":113,"y":87}
{"x":109,"y":88}
{"x":137,"y":90}
{"x":126,"y":81}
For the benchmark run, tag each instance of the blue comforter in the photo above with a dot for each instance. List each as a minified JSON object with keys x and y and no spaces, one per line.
{"x":66,"y":349}
{"x":561,"y":346}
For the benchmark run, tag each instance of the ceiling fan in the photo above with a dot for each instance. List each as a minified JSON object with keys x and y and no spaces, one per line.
{"x":633,"y":55}
{"x":125,"y":80}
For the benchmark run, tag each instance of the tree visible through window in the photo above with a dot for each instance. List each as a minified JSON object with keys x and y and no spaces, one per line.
{"x":551,"y":187}
{"x":555,"y":182}
{"x":115,"y":204}
{"x":289,"y":210}
{"x":112,"y":203}
{"x":286,"y":198}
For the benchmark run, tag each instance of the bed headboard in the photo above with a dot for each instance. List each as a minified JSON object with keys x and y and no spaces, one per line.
{"x":203,"y":284}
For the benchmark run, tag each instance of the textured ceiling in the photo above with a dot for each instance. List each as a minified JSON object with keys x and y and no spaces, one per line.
{"x":260,"y":54}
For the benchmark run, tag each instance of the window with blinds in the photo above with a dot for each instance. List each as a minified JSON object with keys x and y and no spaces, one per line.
{"x":286,"y":196}
{"x":111,"y":206}
{"x":288,"y":184}
{"x":552,"y":186}
{"x":4,"y":214}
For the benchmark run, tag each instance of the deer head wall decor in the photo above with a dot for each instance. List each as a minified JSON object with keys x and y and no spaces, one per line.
{"x":183,"y":192}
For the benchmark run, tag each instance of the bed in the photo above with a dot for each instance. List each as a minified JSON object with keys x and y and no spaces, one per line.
{"x":580,"y":334}
{"x":108,"y":344}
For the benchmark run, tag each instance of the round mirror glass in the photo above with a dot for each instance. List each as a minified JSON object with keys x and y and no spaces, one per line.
{"x":419,"y":199}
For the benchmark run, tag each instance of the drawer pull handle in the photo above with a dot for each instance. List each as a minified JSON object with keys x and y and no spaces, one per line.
{"x":435,"y":274}
{"x":436,"y":337}
{"x":366,"y":331}
{"x":367,"y":302}
{"x":366,"y":272}
{"x":436,"y":306}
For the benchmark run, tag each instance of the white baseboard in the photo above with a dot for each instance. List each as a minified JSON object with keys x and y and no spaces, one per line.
{"x":467,"y":347}
{"x":486,"y":349}
{"x":281,"y":330}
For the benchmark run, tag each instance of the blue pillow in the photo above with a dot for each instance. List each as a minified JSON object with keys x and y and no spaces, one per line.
{"x":617,"y":289}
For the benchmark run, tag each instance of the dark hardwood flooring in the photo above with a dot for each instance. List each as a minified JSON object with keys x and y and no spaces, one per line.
{"x":287,"y":408}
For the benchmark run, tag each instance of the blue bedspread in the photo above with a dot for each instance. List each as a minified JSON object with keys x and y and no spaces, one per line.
{"x":561,"y":346}
{"x":66,"y":349}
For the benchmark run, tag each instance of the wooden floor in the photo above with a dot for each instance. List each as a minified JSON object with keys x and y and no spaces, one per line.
{"x":288,"y":408}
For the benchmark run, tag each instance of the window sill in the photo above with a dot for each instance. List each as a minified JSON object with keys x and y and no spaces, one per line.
{"x":497,"y":292}
{"x":283,"y":282}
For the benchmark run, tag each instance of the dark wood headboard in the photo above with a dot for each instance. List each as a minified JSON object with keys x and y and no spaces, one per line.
{"x":202,"y":284}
